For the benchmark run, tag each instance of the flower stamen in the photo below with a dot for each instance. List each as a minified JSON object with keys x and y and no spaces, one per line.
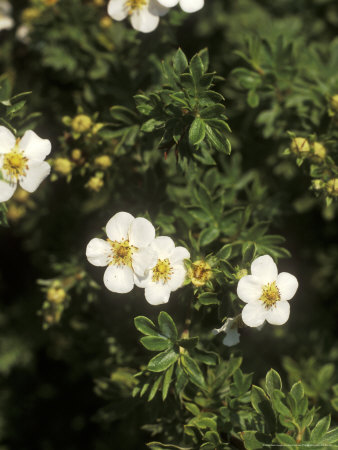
{"x":134,"y":5}
{"x":162,"y":271}
{"x":122,"y":253}
{"x":270,"y":295}
{"x":15,"y":163}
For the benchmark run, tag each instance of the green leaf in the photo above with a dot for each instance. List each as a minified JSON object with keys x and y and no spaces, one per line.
{"x":163,"y":361}
{"x":193,"y":371}
{"x":145,"y":326}
{"x":297,"y":391}
{"x":224,"y":252}
{"x":166,"y":382}
{"x":262,"y":405}
{"x":167,"y":326}
{"x":196,"y":69}
{"x":278,"y":405}
{"x":253,"y":99}
{"x":254,"y":440}
{"x":208,"y":235}
{"x":154,"y":389}
{"x":204,"y":55}
{"x":205,"y":357}
{"x":217,"y":140}
{"x":320,"y":429}
{"x":273,"y":381}
{"x":286,"y":439}
{"x":208,"y":298}
{"x":160,"y":446}
{"x":155,"y":343}
{"x":180,"y":61}
{"x":189,"y":343}
{"x":197,"y":131}
{"x":191,"y":407}
{"x":331,"y":437}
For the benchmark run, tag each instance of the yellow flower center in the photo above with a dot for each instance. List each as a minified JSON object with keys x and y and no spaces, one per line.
{"x":134,"y":5}
{"x":162,"y":271}
{"x":270,"y":295}
{"x":15,"y":163}
{"x":200,"y":272}
{"x":122,"y":253}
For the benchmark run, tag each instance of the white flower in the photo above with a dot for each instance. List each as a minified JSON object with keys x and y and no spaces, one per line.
{"x":188,"y":6}
{"x":144,"y":14}
{"x":22,"y":161}
{"x":230,"y":329}
{"x":126,"y":252}
{"x":167,"y":274}
{"x":266,"y":293}
{"x":6,"y":21}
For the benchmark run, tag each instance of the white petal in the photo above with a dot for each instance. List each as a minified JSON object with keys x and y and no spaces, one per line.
{"x":190,"y":6}
{"x":278,"y":314}
{"x":143,"y":260}
{"x":119,"y":279}
{"x":36,"y":173}
{"x":287,"y":285}
{"x":265,"y":269}
{"x":163,"y":246}
{"x":157,"y":295}
{"x":157,"y":8}
{"x":232,"y":338}
{"x":178,"y":255}
{"x":249,"y":288}
{"x":98,"y":252}
{"x":6,"y":23}
{"x":141,"y":232}
{"x":35,"y":147}
{"x":142,"y":282}
{"x":117,"y":228}
{"x":117,"y":9}
{"x":177,"y":277}
{"x":253,"y":314}
{"x":7,"y":140}
{"x":168,"y":3}
{"x":142,"y":20}
{"x":225,"y":327}
{"x":6,"y":190}
{"x":5,"y":7}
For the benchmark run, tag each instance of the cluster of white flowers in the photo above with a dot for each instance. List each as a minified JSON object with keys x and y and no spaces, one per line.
{"x":145,"y":14}
{"x":134,"y":256}
{"x":6,"y":20}
{"x":22,"y":162}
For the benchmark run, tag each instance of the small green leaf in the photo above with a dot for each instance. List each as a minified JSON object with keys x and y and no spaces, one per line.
{"x":320,"y":429}
{"x":278,"y":405}
{"x":273,"y":381}
{"x":262,"y":405}
{"x":193,"y":371}
{"x":167,"y":326}
{"x":154,"y":389}
{"x":224,"y":252}
{"x":196,"y":69}
{"x":155,"y":343}
{"x":166,"y":382}
{"x":163,"y":361}
{"x":297,"y":391}
{"x":189,"y":343}
{"x":145,"y":326}
{"x":208,"y":298}
{"x":180,"y":61}
{"x":197,"y":131}
{"x":208,"y":235}
{"x":254,"y":440}
{"x":286,"y":439}
{"x":253,"y":99}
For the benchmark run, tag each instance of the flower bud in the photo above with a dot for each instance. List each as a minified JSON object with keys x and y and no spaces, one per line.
{"x":106,"y":22}
{"x":334,"y":103}
{"x":76,"y":154}
{"x":332,"y":187}
{"x":317,"y":185}
{"x":21,"y":196}
{"x":95,"y":184}
{"x":103,"y":161}
{"x":200,"y":272}
{"x":241,"y":273}
{"x":81,"y":123}
{"x":30,"y":14}
{"x":319,"y":151}
{"x":15,"y":212}
{"x":62,"y":166}
{"x":300,"y":146}
{"x":56,"y":294}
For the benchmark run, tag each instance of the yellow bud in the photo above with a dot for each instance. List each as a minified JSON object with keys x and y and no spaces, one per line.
{"x":103,"y":161}
{"x":99,"y":2}
{"x":300,"y":146}
{"x":62,"y":166}
{"x":332,"y":187}
{"x":106,"y":22}
{"x":30,"y":14}
{"x":81,"y":123}
{"x":241,"y":273}
{"x":334,"y":103}
{"x":319,"y":150}
{"x":317,"y":184}
{"x":15,"y":212}
{"x":76,"y":154}
{"x":200,"y":272}
{"x":95,"y":184}
{"x":56,"y":295}
{"x":21,"y":196}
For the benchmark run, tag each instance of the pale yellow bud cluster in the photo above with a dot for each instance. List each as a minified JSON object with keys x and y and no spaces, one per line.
{"x":95,"y":184}
{"x":302,"y":148}
{"x":199,"y":273}
{"x":63,"y":166}
{"x":81,"y":123}
{"x":103,"y":161}
{"x":56,"y":294}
